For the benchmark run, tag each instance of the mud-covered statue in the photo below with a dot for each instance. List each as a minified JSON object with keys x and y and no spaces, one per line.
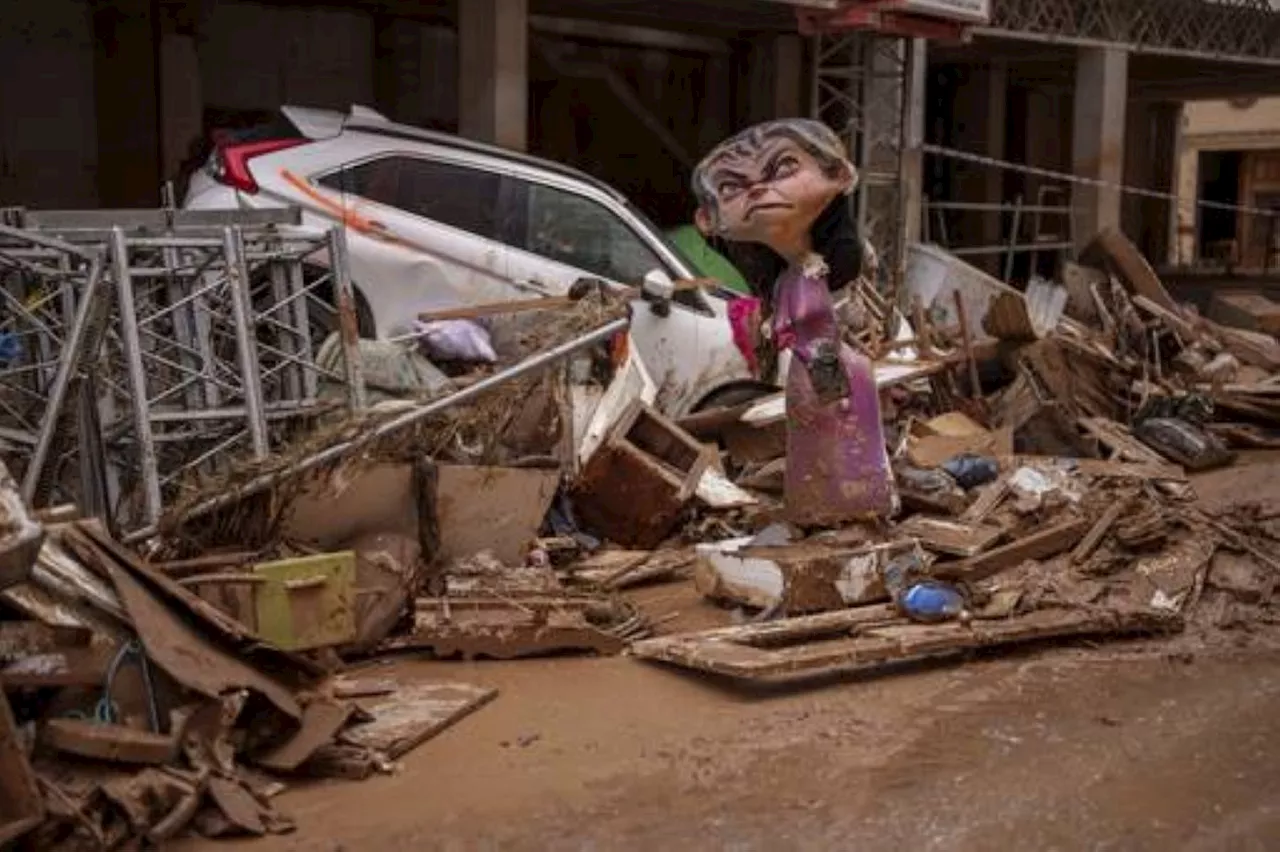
{"x":783,"y":187}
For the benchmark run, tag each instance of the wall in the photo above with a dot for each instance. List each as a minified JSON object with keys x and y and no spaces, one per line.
{"x":258,"y":57}
{"x":48,"y":128}
{"x":1216,"y":126}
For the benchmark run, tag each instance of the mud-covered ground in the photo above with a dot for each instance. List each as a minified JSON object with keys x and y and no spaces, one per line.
{"x":1161,"y":745}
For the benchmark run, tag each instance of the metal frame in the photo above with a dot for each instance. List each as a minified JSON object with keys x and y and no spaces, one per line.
{"x":198,"y":349}
{"x":859,"y":87}
{"x":1236,"y":30}
{"x":1017,"y":214}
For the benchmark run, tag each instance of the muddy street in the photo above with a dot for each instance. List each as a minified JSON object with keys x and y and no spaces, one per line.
{"x":1144,"y":748}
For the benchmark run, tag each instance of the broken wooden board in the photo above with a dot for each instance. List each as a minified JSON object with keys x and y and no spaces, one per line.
{"x":59,"y":667}
{"x":989,"y":499}
{"x":634,"y":489}
{"x":1132,"y":267}
{"x":1102,"y":468}
{"x":1046,"y":542}
{"x":415,"y":713}
{"x":944,"y":536}
{"x":112,"y":743}
{"x":933,"y":450}
{"x":1249,"y":310}
{"x":22,"y":638}
{"x":868,"y":638}
{"x":1168,"y":581}
{"x":189,"y":656}
{"x":1098,"y":531}
{"x":799,"y":578}
{"x":21,"y":805}
{"x":717,"y":491}
{"x":502,"y":629}
{"x":620,"y":569}
{"x":498,"y":509}
{"x":322,"y":719}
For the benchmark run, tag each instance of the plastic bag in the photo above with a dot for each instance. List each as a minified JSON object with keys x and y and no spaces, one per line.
{"x":456,"y":340}
{"x":1187,"y":444}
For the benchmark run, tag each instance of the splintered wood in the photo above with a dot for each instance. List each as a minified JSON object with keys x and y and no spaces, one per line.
{"x":872,"y":637}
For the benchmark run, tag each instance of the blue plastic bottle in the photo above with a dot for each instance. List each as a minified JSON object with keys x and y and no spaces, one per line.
{"x":927,"y":601}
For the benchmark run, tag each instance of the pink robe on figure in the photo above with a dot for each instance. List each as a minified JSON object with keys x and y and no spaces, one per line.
{"x":837,"y":464}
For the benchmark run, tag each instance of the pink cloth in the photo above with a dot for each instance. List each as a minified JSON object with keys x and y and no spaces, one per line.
{"x":744,"y":319}
{"x":837,"y":467}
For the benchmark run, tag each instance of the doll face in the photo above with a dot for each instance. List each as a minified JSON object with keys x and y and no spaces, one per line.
{"x":769,"y":190}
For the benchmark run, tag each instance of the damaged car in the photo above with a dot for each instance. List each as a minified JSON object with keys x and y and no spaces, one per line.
{"x":434,"y":221}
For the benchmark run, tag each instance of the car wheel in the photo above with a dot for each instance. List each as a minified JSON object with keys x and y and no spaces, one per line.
{"x":737,"y":394}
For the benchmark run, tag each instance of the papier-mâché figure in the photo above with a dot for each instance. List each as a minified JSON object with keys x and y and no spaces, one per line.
{"x":784,"y":185}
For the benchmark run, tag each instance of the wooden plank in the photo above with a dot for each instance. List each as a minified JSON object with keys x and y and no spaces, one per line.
{"x":1103,"y":468}
{"x":21,"y":805}
{"x":322,"y":719}
{"x":112,"y":743}
{"x":992,"y":496}
{"x":1132,"y":266}
{"x":1044,"y":543}
{"x":1121,"y":441}
{"x":411,"y":715}
{"x":957,"y":539}
{"x":739,"y":653}
{"x":1094,"y":537}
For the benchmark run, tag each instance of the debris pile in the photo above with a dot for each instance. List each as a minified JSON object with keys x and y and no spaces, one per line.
{"x":1042,"y":451}
{"x":499,"y":494}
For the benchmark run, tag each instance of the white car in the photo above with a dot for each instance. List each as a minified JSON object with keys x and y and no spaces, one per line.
{"x":435,"y":221}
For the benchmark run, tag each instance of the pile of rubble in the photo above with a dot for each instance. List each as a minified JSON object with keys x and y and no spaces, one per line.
{"x":175,"y":673}
{"x":1057,"y":505}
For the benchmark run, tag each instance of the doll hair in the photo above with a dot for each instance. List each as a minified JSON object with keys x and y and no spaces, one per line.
{"x":834,"y":233}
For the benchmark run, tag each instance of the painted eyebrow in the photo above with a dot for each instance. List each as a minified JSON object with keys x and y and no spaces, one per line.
{"x":726,"y":174}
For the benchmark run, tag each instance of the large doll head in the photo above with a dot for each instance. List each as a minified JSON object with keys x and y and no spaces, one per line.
{"x":770,"y":183}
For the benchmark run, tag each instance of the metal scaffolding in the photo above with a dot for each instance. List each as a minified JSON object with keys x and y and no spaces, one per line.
{"x":192,"y":340}
{"x":1245,"y":30}
{"x":870,"y":89}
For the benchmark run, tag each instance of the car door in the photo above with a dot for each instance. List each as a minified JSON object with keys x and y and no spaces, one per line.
{"x":556,"y":235}
{"x":423,"y":235}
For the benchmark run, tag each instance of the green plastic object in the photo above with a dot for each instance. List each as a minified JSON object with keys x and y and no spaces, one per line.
{"x":308,"y":602}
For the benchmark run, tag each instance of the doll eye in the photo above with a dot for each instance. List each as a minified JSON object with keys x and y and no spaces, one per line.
{"x":787,"y":166}
{"x":729,"y":190}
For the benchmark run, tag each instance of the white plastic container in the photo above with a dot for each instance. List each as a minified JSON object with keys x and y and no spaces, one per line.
{"x":934,"y":276}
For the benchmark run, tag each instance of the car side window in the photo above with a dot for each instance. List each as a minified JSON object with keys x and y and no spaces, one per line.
{"x":461,"y":197}
{"x":579,"y":232}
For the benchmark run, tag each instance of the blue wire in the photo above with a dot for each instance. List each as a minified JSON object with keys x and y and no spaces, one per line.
{"x":106,"y":711}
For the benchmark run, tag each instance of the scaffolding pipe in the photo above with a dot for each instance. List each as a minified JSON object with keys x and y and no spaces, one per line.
{"x":335,"y":452}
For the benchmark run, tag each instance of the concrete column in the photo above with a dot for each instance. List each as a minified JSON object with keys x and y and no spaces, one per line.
{"x":911,"y":174}
{"x":493,"y":84}
{"x":1184,"y":209}
{"x":776,"y":77}
{"x":1102,"y":89}
{"x":997,"y":92}
{"x":1188,"y":212}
